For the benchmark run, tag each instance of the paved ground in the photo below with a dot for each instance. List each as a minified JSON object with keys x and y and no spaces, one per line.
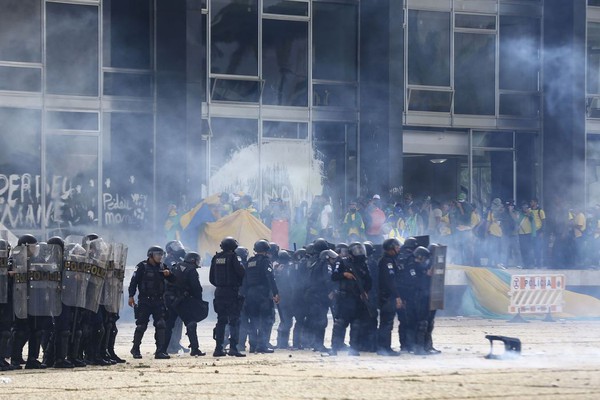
{"x":559,"y":360}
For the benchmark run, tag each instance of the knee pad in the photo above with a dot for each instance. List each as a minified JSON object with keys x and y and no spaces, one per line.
{"x":422,"y":326}
{"x":160,"y":324}
{"x":141,"y":327}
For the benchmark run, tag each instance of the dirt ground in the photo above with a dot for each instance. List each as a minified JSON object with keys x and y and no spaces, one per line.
{"x":559,"y":360}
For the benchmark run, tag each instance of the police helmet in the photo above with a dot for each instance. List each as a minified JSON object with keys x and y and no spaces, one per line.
{"x":27,"y":239}
{"x":88,"y":238}
{"x":421,"y":252}
{"x":328,"y":255}
{"x":284,"y":257}
{"x":310,"y":249}
{"x":229,"y":244}
{"x":410,"y":243}
{"x":274,"y":249}
{"x":193,"y":258}
{"x":300,"y":254}
{"x":342,"y":249}
{"x":389,"y":244}
{"x":262,"y":246}
{"x":369,"y":247}
{"x":57,"y":240}
{"x":173,"y":246}
{"x":155,"y":250}
{"x":357,"y":249}
{"x":320,"y":245}
{"x":242,"y":252}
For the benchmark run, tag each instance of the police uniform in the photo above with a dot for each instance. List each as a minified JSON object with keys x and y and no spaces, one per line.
{"x":185,"y":286}
{"x":261,"y":288}
{"x":316,"y":299}
{"x":388,"y":293}
{"x":149,"y":280}
{"x":227,"y":274}
{"x":406,"y":284}
{"x":350,"y":307}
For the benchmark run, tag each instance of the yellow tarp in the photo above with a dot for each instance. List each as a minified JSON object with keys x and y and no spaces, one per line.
{"x":491,"y":292}
{"x":187,"y":217}
{"x":241,"y":225}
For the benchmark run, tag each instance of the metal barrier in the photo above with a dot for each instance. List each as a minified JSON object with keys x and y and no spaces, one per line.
{"x":536,"y":294}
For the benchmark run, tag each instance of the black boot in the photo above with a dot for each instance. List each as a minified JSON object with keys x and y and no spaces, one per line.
{"x":112,"y":337}
{"x":33,"y":351}
{"x":19,"y":338}
{"x":62,"y":350}
{"x":74,"y":351}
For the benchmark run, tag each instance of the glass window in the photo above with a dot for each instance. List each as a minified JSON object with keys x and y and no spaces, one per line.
{"x":20,"y":168}
{"x":520,"y":105}
{"x":519,"y":53}
{"x":429,"y":100}
{"x":126,"y":84}
{"x":285,"y":130}
{"x":593,"y":58}
{"x":474,"y":74}
{"x":130,"y":34}
{"x":21,"y":31}
{"x":128,"y":169}
{"x":285,"y":62}
{"x":335,"y":44}
{"x":428,"y":48}
{"x":84,"y":121}
{"x":472,"y":21}
{"x":72,"y":49}
{"x":74,"y":159}
{"x":334,"y":95}
{"x":594,"y":3}
{"x":235,"y":90}
{"x":21,"y":79}
{"x":234,"y":156}
{"x":234,"y":37}
{"x":285,"y":7}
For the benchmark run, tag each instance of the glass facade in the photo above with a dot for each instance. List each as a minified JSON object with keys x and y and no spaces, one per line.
{"x":281,"y":91}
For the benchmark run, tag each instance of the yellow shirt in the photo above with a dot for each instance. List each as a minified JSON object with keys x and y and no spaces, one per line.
{"x":494,"y":228}
{"x":445,"y":229}
{"x":538,"y":216}
{"x":578,"y":224}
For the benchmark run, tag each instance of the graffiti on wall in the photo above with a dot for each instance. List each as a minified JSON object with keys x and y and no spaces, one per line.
{"x":68,"y":202}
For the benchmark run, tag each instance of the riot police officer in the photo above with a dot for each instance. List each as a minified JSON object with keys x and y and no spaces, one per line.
{"x":319,"y":292}
{"x":175,"y":254}
{"x":261,"y":293}
{"x":406,"y":284}
{"x":388,"y":300}
{"x":300,"y":276}
{"x":242,"y":254}
{"x":183,"y":297}
{"x":285,"y":277}
{"x":226,"y":274}
{"x":352,"y":299}
{"x":423,"y":345}
{"x":149,"y":279}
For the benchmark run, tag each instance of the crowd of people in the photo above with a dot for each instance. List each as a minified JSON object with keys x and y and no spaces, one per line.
{"x":364,"y":287}
{"x":501,"y":234}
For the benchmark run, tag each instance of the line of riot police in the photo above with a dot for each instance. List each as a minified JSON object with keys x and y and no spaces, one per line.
{"x":365,"y":287}
{"x":62,"y":297}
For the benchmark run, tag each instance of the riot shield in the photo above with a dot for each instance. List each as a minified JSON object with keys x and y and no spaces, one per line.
{"x":74,"y":277}
{"x":98,"y":252}
{"x":19,"y":257}
{"x":44,"y":281}
{"x":3,"y":271}
{"x":438,"y":276}
{"x":112,"y":295}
